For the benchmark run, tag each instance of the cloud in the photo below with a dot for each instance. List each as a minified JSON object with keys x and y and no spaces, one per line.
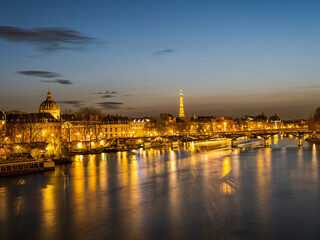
{"x":165,"y":51}
{"x":107,"y":96}
{"x":72,"y":102}
{"x":60,"y":81}
{"x":110,"y":105}
{"x":45,"y":74}
{"x":47,"y":39}
{"x":108,"y":93}
{"x":305,"y":87}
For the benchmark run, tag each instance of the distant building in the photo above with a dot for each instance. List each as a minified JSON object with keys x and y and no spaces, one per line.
{"x":2,"y":120}
{"x":116,"y":127}
{"x":181,"y":109}
{"x":276,"y":120}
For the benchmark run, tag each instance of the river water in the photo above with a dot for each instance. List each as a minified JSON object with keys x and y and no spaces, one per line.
{"x":253,"y":193}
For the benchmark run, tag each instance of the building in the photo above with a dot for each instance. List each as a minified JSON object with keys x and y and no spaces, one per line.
{"x":116,"y":127}
{"x":50,"y":106}
{"x":181,"y":109}
{"x":31,"y":128}
{"x":2,"y":120}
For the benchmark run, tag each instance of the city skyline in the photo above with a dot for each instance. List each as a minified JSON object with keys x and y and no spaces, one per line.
{"x":131,"y":59}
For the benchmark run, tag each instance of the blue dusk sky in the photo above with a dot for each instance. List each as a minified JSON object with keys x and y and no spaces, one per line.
{"x":131,"y":58}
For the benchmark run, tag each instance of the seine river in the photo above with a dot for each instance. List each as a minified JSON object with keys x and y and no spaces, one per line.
{"x":253,"y":193}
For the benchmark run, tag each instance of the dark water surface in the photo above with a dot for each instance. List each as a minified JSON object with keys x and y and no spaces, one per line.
{"x":262,"y":193}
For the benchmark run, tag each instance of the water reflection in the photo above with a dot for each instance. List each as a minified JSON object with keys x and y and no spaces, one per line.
{"x":169,"y":194}
{"x":227,"y":185}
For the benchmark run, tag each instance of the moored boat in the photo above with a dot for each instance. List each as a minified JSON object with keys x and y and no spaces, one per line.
{"x":314,"y":138}
{"x":8,"y":168}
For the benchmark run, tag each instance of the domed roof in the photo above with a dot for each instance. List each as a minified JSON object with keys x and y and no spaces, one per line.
{"x":49,"y":104}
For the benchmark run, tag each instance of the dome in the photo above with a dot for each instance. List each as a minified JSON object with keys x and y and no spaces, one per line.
{"x":49,"y":104}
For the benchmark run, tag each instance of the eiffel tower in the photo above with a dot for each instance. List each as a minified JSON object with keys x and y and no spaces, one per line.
{"x":181,"y":110}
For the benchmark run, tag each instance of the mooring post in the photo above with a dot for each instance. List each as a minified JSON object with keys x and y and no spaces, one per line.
{"x":300,"y":141}
{"x":266,"y":141}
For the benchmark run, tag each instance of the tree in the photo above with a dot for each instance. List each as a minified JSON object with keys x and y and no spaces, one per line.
{"x":314,"y":122}
{"x":25,"y":132}
{"x":316,"y":116}
{"x":91,"y":119}
{"x":54,"y":147}
{"x":68,"y":131}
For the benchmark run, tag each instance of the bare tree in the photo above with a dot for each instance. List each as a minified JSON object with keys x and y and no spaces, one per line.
{"x":314,"y":121}
{"x":68,"y":131}
{"x":91,"y":123}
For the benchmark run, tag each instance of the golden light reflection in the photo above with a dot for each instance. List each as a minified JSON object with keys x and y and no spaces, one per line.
{"x":300,"y":158}
{"x":173,"y":161}
{"x":314,"y":162}
{"x":125,"y":171}
{"x":92,"y":169}
{"x":264,"y":181}
{"x":192,"y":147}
{"x":79,"y":189}
{"x":48,"y":207}
{"x":226,"y":189}
{"x":226,"y":186}
{"x":3,"y":203}
{"x":226,"y":168}
{"x":275,"y":139}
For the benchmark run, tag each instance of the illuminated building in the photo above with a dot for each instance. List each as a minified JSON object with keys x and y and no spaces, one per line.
{"x":2,"y":120}
{"x":138,"y":127}
{"x":181,"y":109}
{"x":50,"y":106}
{"x":31,"y":127}
{"x":116,"y":126}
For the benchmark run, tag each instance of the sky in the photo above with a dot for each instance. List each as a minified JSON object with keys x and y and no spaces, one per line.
{"x":131,"y":58}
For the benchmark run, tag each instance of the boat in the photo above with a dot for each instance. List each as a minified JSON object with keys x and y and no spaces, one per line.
{"x":251,"y":143}
{"x":174,"y":144}
{"x":314,"y":138}
{"x":217,"y":142}
{"x":62,"y":160}
{"x":84,"y":152}
{"x":22,"y":166}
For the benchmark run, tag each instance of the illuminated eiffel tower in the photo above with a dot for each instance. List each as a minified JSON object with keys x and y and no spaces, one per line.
{"x":181,"y":110}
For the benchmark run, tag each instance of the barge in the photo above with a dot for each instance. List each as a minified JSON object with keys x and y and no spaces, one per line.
{"x":24,"y":166}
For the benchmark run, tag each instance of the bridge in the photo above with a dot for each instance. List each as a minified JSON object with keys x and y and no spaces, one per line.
{"x":266,"y":134}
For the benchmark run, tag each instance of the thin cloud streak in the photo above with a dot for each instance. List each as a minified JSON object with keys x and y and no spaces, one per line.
{"x":107,"y":92}
{"x":74,"y":103}
{"x":47,"y":39}
{"x":59,"y":81}
{"x":165,"y":51}
{"x":110,"y":105}
{"x":107,"y":96}
{"x":45,"y":74}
